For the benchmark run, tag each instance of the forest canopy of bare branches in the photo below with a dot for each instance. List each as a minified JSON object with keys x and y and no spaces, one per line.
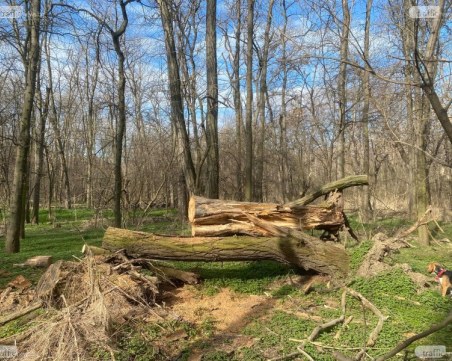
{"x":135,"y":104}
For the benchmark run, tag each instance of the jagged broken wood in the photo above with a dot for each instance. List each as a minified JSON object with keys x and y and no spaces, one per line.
{"x":214,"y":217}
{"x":373,"y":262}
{"x":303,"y":252}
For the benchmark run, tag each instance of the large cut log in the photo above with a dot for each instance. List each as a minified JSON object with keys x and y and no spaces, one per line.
{"x":214,"y":217}
{"x":303,"y":251}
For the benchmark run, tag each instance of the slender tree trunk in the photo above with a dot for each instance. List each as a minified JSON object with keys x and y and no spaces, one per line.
{"x":263,"y":65}
{"x":177,"y":111}
{"x":406,"y":33}
{"x":366,"y":205}
{"x":428,"y":76}
{"x":249,"y":186}
{"x":422,"y":126}
{"x":189,"y":87}
{"x":213,"y":161}
{"x":40,"y":136}
{"x":90,"y":129}
{"x":238,"y":101}
{"x":54,"y":120}
{"x":121,"y":123}
{"x":342,"y":90}
{"x":12,"y":243}
{"x":120,"y":132}
{"x":283,"y":167}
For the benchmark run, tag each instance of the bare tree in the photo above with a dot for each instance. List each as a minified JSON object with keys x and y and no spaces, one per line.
{"x":249,"y":186}
{"x":366,"y":205}
{"x":262,"y":101}
{"x":342,"y":83}
{"x":426,"y":65}
{"x":187,"y":175}
{"x":213,"y":161}
{"x":30,"y":51}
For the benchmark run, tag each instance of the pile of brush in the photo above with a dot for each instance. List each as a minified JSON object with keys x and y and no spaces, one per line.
{"x":77,"y":305}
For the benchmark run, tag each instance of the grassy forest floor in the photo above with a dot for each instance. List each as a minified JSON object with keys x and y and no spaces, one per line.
{"x":252,"y":310}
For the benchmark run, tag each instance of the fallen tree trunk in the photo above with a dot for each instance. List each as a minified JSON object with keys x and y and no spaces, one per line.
{"x":303,"y":252}
{"x":214,"y":217}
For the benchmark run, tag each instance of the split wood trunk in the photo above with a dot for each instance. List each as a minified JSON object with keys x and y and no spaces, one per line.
{"x":213,"y":217}
{"x":307,"y":253}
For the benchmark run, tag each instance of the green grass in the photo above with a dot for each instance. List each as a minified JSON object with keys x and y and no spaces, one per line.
{"x":44,"y":240}
{"x":63,"y":236}
{"x":242,"y":277}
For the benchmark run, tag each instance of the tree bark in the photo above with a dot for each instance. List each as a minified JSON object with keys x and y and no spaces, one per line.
{"x":284,"y":165}
{"x":121,"y":124}
{"x":249,"y":186}
{"x":342,"y":90}
{"x":40,"y":136}
{"x":12,"y":242}
{"x":213,"y":161}
{"x":211,"y":217}
{"x":263,"y":65}
{"x":310,"y":253}
{"x":366,"y":204}
{"x":238,"y":100}
{"x":54,"y":120}
{"x":177,"y":108}
{"x":429,"y":73}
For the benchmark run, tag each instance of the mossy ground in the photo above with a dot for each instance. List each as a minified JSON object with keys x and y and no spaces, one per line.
{"x":275,"y":331}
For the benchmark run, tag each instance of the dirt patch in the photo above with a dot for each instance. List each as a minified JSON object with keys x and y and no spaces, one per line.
{"x":229,"y":311}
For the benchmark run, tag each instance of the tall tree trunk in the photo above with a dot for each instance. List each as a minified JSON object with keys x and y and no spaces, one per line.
{"x":263,"y":65}
{"x":91,"y":127}
{"x":187,"y":35}
{"x":120,"y":132}
{"x":249,"y":103}
{"x":426,"y":70}
{"x":429,"y":61}
{"x":406,"y":33}
{"x":238,"y":100}
{"x":421,"y":175}
{"x":39,"y":164}
{"x":12,"y":243}
{"x":177,"y":111}
{"x":121,"y":123}
{"x":366,"y":205}
{"x":342,"y":90}
{"x":283,"y":167}
{"x":213,"y":161}
{"x":54,"y":120}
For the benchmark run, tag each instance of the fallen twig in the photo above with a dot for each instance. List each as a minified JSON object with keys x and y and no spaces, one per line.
{"x":381,"y":318}
{"x":404,"y":344}
{"x":20,"y":313}
{"x":344,"y":325}
{"x":304,"y":353}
